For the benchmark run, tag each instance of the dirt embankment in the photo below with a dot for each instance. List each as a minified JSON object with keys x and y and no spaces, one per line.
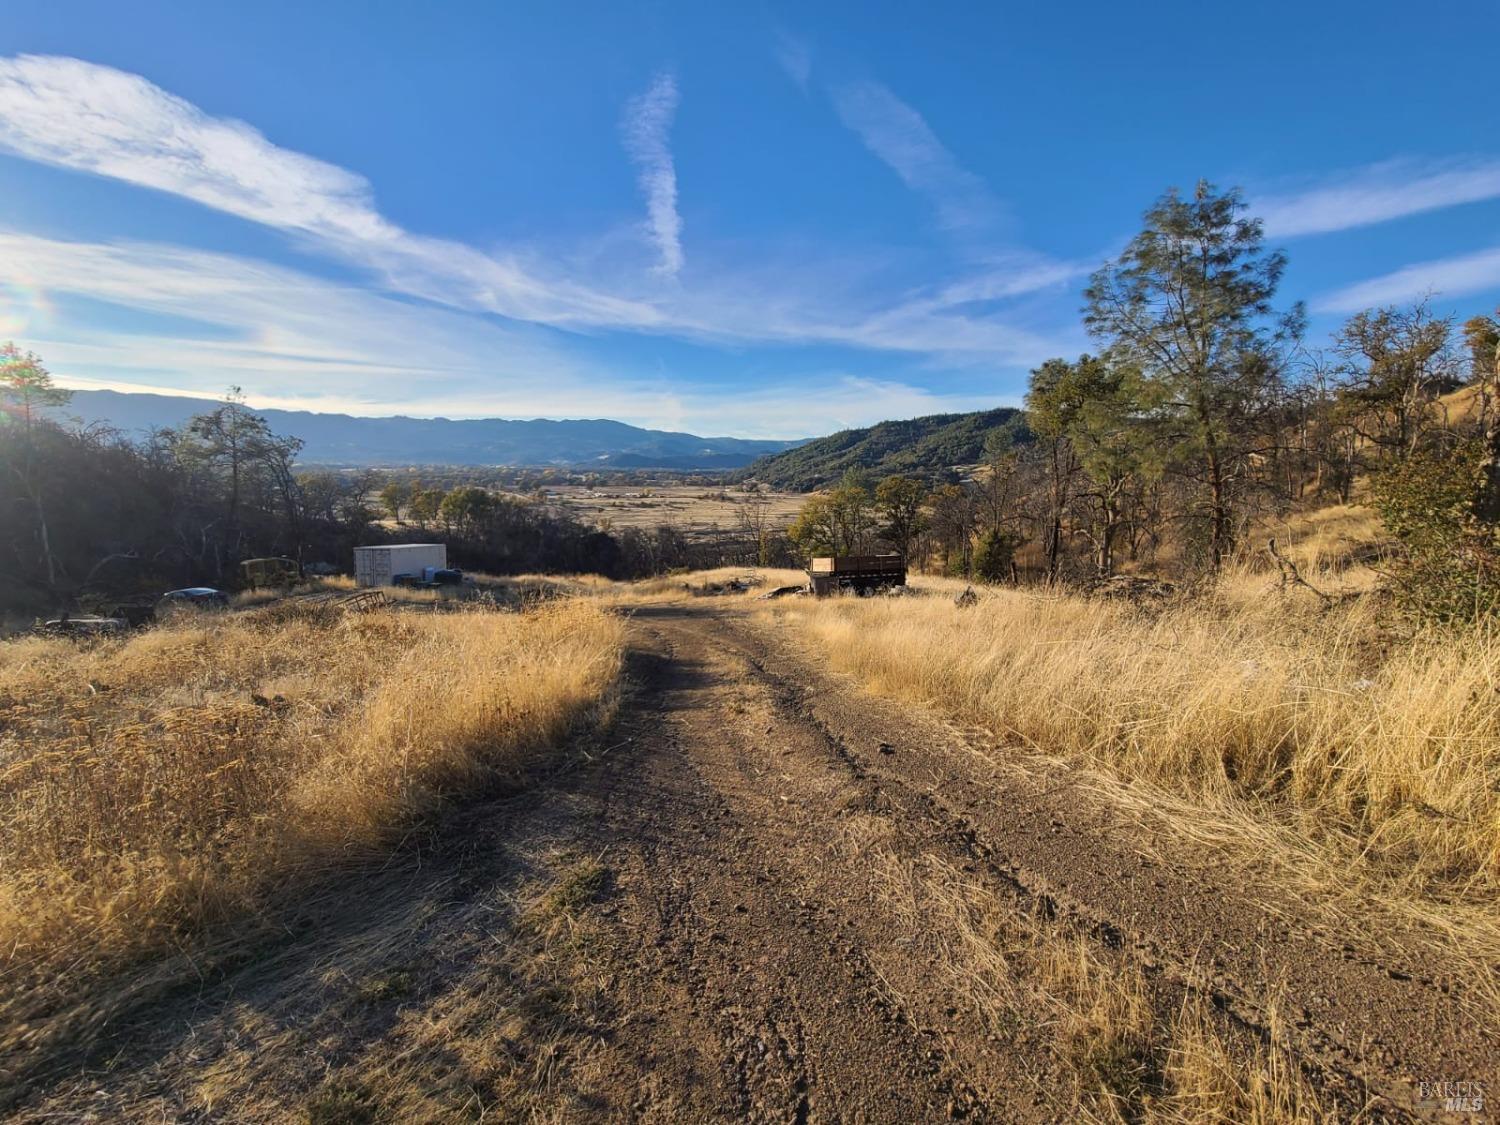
{"x":767,"y":896}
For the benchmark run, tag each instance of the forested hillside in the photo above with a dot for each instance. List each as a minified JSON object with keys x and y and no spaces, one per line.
{"x":928,"y":448}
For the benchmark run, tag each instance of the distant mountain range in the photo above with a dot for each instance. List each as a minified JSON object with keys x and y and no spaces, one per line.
{"x":341,"y":439}
{"x":929,"y":448}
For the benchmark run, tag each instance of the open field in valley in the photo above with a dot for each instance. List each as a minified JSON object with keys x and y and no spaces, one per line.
{"x":695,"y":510}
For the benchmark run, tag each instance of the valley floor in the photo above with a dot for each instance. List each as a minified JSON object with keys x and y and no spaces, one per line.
{"x":764,"y":894}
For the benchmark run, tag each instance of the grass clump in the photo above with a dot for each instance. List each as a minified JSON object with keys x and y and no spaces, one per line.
{"x":578,"y":889}
{"x":383,"y":987}
{"x":340,"y":1103}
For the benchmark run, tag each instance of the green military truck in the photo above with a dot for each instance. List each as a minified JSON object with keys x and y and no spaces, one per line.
{"x":270,"y":573}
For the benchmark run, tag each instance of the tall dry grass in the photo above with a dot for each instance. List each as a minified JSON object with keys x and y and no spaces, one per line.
{"x":1383,"y":748}
{"x":156,"y":786}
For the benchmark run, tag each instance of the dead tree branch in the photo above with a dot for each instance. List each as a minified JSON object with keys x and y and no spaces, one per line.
{"x":1291,"y":576}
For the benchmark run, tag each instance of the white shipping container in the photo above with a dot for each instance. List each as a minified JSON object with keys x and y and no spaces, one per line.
{"x":378,"y":566}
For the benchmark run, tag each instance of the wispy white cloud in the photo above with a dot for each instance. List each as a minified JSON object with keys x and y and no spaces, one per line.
{"x":296,"y":337}
{"x":898,"y":135}
{"x":299,"y":341}
{"x":794,"y":56}
{"x":91,"y":118}
{"x":78,"y":115}
{"x":219,"y":317}
{"x":964,"y":320}
{"x":648,"y":120}
{"x":1013,"y":275}
{"x":1446,"y":277}
{"x":1377,"y":194}
{"x":94,"y":119}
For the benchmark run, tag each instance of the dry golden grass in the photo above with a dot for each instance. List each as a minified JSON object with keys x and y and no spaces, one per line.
{"x":1339,"y":544}
{"x":339,"y":584}
{"x":509,"y":1029}
{"x":511,"y":590}
{"x":1385,"y":749}
{"x":157,"y":785}
{"x":1460,"y":406}
{"x":1210,"y":1084}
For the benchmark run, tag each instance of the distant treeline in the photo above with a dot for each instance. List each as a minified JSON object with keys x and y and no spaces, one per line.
{"x":89,"y":517}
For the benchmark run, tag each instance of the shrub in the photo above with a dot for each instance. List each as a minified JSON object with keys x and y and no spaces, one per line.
{"x":1449,"y":569}
{"x":995,"y":554}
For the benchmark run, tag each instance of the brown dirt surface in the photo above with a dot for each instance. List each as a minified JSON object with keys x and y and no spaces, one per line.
{"x":740,"y":903}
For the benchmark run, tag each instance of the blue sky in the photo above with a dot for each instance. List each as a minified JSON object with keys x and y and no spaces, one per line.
{"x":749,"y":219}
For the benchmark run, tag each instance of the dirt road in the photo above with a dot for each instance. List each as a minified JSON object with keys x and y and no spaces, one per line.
{"x":765,"y":895}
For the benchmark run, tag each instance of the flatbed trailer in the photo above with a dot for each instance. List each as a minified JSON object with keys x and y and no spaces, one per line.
{"x":861,"y":574}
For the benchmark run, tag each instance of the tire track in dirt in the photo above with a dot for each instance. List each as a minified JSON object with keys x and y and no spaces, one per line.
{"x":719,"y":899}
